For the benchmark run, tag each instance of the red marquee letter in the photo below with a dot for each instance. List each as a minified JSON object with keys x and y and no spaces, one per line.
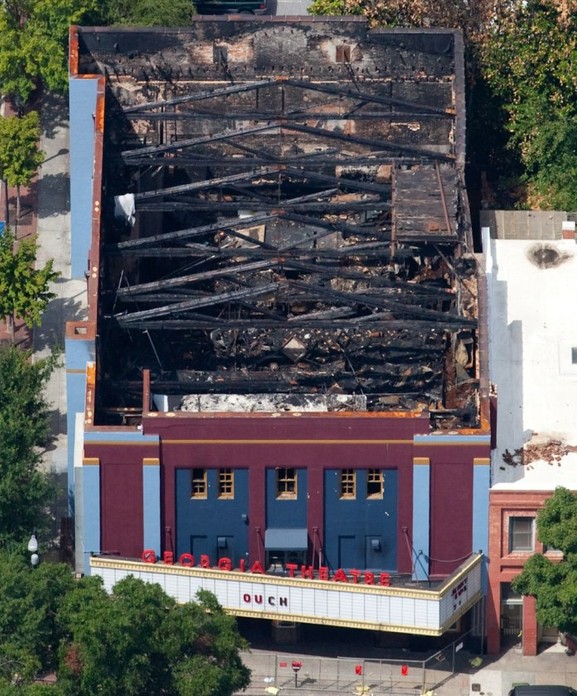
{"x":204,"y":561}
{"x":369,"y":578}
{"x":257,"y":568}
{"x":187,"y":559}
{"x":168,"y":558}
{"x":149,"y":556}
{"x":225,"y":564}
{"x":291,"y":567}
{"x":356,"y":575}
{"x":385,"y":579}
{"x":340,"y":576}
{"x":323,"y":573}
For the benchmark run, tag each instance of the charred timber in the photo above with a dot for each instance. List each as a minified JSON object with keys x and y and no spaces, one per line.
{"x":199,"y":96}
{"x":264,"y":115}
{"x":191,"y":142}
{"x":326,"y":208}
{"x":129,"y":321}
{"x":199,"y":302}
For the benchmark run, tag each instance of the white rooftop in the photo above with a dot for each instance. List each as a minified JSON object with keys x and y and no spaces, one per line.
{"x":532,"y":296}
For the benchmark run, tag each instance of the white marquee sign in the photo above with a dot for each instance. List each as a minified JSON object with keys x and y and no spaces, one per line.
{"x":401,"y":609}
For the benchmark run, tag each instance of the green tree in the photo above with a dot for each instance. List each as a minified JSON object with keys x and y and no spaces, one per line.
{"x":168,"y":13}
{"x":29,"y":603}
{"x":19,"y":153}
{"x":554,"y":584}
{"x":24,"y":289}
{"x":203,"y":649}
{"x":530,"y":61}
{"x":34,"y":43}
{"x":471,"y":17}
{"x":24,"y":430}
{"x":135,"y":641}
{"x":139,"y":641}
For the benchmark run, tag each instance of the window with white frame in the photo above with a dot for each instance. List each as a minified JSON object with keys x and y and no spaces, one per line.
{"x":521,"y":534}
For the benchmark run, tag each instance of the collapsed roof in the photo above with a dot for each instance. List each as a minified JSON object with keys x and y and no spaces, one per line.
{"x":299,"y":224}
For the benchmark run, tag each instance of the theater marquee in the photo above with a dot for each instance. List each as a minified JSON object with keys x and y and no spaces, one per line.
{"x":406,"y":609}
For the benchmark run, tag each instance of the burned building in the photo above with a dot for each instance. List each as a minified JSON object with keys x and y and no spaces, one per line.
{"x":283,"y":361}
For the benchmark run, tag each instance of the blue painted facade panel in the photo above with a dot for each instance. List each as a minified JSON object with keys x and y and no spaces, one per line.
{"x":77,"y":353}
{"x":82,"y":110}
{"x":288,"y":513}
{"x":481,"y":485}
{"x":151,"y":507}
{"x":212,"y":525}
{"x":120,"y":436}
{"x":91,"y":511}
{"x":361,"y":533}
{"x":421,"y":520}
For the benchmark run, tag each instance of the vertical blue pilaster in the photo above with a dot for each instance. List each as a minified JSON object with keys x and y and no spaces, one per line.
{"x":90,"y":495}
{"x":151,"y":504}
{"x":481,"y":485}
{"x":83,"y":95}
{"x":421,"y":517}
{"x":79,"y":351}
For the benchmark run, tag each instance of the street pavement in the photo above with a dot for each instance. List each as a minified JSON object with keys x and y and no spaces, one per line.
{"x":53,"y":232}
{"x":45,"y":212}
{"x":290,"y":7}
{"x":486,"y":676}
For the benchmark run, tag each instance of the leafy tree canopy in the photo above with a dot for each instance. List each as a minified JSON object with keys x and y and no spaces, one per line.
{"x":24,"y":289}
{"x":168,"y":13}
{"x":412,"y":13}
{"x":34,"y":43}
{"x":29,"y":602}
{"x":135,"y":641}
{"x":19,"y":153}
{"x":554,"y":585}
{"x":530,"y":62}
{"x":24,"y":429}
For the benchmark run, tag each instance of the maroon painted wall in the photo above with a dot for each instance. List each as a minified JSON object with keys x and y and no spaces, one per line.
{"x":451,"y":514}
{"x":121,"y":513}
{"x":314,"y":441}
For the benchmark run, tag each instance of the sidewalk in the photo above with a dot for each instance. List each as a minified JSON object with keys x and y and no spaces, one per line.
{"x":45,"y":212}
{"x":497,"y":675}
{"x":69,"y":304}
{"x":493,"y":677}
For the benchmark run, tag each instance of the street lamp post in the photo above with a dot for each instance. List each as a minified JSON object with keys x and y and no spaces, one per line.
{"x":33,"y":549}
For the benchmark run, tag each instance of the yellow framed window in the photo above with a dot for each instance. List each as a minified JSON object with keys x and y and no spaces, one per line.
{"x":375,"y":483}
{"x":286,"y":482}
{"x":198,"y":485}
{"x":348,"y":484}
{"x":225,"y":483}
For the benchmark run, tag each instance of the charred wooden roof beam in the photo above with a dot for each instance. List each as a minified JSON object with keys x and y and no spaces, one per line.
{"x":189,"y":305}
{"x":358,"y":95}
{"x":199,"y":96}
